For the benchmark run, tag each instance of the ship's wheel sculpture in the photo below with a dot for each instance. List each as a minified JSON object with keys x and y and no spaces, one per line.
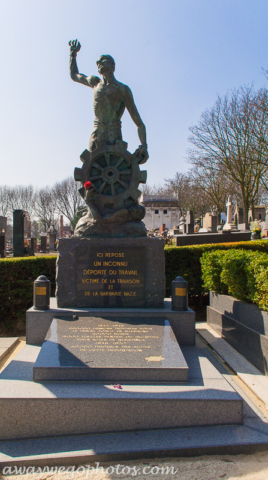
{"x":113,"y":175}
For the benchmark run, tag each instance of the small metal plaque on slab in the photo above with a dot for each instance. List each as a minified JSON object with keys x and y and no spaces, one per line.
{"x":101,"y":348}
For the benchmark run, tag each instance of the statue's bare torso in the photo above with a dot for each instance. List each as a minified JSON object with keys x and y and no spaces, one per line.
{"x":109,"y":102}
{"x":110,"y":99}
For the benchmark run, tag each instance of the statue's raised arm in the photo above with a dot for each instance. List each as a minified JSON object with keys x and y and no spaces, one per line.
{"x":74,"y":72}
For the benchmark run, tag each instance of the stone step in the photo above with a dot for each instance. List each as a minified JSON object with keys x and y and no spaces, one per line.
{"x":33,"y":410}
{"x":6,"y":345}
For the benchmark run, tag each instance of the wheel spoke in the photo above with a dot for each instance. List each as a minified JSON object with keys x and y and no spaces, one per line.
{"x":107,"y":158}
{"x":121,"y":159}
{"x":124,"y":184}
{"x":125,"y":172}
{"x":113,"y":189}
{"x":95,"y":177}
{"x":102,"y":187}
{"x":97,"y":166}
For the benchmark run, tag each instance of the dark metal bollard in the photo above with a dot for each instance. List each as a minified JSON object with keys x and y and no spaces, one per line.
{"x":41,"y":294}
{"x":179,"y":293}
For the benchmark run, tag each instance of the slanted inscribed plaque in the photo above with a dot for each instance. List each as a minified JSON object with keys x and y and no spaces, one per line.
{"x":101,"y":348}
{"x":110,"y":276}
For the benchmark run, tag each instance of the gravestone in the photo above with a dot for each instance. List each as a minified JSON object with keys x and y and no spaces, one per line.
{"x":110,"y":272}
{"x":52,"y":241}
{"x":182,"y":226}
{"x":43,"y":246}
{"x":21,"y":232}
{"x":27,"y":226}
{"x":3,"y":228}
{"x":210,"y":222}
{"x":189,"y":223}
{"x":18,"y":233}
{"x":34,"y":244}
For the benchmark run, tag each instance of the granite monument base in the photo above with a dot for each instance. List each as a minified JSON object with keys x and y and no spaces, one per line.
{"x":34,"y":410}
{"x":39,"y":321}
{"x":110,"y":273}
{"x":92,"y":348}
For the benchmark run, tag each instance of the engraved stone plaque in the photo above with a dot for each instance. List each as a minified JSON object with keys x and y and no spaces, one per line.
{"x":110,"y":276}
{"x":101,"y":348}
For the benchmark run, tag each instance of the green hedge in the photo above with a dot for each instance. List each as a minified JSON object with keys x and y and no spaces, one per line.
{"x":240,"y":273}
{"x":18,"y":274}
{"x":185,"y":261}
{"x":16,"y":284}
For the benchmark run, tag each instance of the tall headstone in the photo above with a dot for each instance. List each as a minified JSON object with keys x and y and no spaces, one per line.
{"x":43,"y":246}
{"x":61,"y":226}
{"x":52,"y":241}
{"x":214,"y":221}
{"x":34,"y":244}
{"x":3,"y":228}
{"x":18,"y":233}
{"x":189,"y":223}
{"x":27,"y":226}
{"x":242,"y":223}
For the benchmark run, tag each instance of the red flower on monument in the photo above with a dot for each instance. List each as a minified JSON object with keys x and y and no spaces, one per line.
{"x":87,"y":185}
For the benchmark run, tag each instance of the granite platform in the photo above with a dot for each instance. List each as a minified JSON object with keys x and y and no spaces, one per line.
{"x":39,"y":321}
{"x":69,"y":450}
{"x":34,"y":410}
{"x":98,"y":348}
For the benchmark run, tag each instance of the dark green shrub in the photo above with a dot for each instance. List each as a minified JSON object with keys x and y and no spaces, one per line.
{"x":16,"y":283}
{"x":185,"y":261}
{"x":244,"y":274}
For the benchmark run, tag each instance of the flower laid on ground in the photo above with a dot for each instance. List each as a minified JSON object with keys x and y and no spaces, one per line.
{"x":87,"y":185}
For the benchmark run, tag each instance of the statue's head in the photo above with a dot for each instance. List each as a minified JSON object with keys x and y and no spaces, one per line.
{"x":104,"y":62}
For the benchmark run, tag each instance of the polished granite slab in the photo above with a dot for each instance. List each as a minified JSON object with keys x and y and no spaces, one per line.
{"x":46,"y":409}
{"x":102,"y":348}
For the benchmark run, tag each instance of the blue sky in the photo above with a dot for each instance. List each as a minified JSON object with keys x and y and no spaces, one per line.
{"x":176,"y":56}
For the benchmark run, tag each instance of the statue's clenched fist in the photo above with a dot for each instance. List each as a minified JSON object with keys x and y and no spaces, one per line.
{"x":74,"y":47}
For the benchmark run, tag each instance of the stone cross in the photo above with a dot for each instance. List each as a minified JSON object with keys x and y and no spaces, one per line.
{"x":229,"y":213}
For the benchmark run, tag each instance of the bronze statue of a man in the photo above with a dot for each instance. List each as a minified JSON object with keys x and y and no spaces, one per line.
{"x":110,"y":100}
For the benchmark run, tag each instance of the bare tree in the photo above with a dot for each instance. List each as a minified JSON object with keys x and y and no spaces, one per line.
{"x":232,"y":137}
{"x":67,"y":198}
{"x":45,"y":207}
{"x":155,"y":189}
{"x":190,"y":196}
{"x":21,"y":198}
{"x":4,"y":201}
{"x":215,"y":186}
